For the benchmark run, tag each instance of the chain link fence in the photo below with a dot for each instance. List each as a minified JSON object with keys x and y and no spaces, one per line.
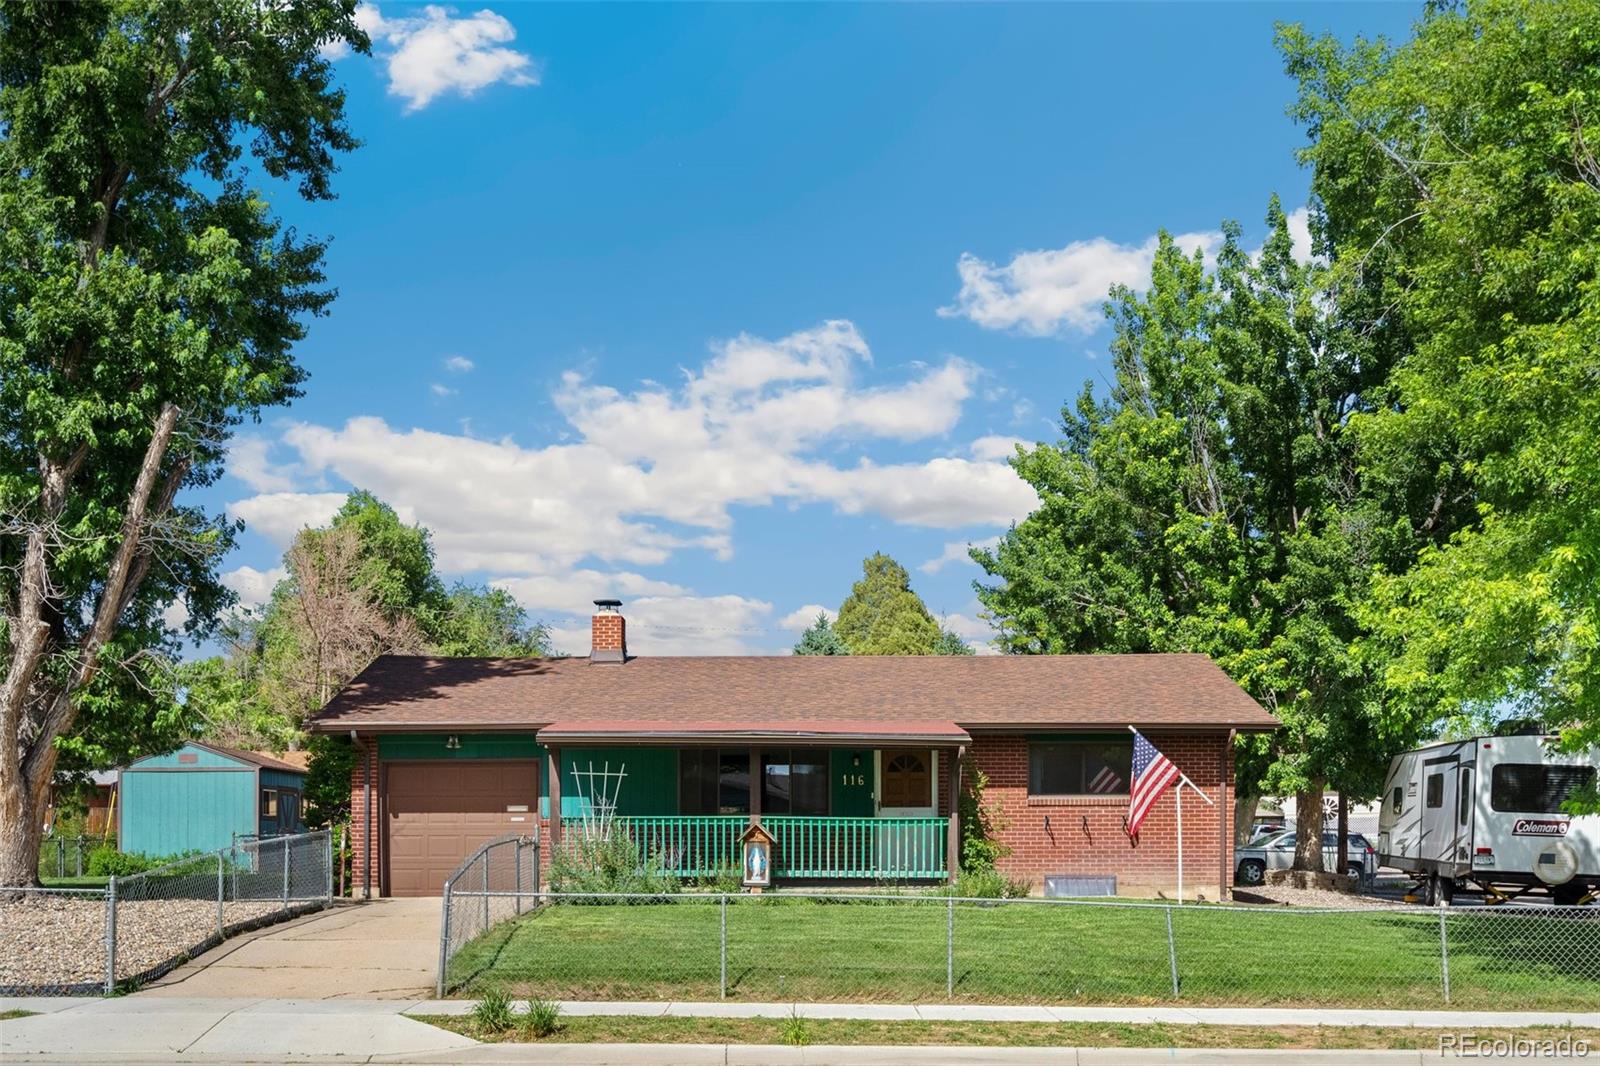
{"x":797,"y":946}
{"x":83,"y":941}
{"x":499,"y":881}
{"x":61,"y":857}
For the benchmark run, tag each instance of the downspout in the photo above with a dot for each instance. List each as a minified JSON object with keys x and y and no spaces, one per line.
{"x":1224,"y":821}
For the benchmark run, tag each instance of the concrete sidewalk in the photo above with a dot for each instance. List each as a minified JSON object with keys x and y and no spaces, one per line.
{"x":215,"y":1032}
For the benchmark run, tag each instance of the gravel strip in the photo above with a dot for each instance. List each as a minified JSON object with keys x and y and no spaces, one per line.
{"x":1288,"y":895}
{"x":60,"y":940}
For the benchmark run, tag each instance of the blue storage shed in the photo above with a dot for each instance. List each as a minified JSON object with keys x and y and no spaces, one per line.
{"x":204,"y":796}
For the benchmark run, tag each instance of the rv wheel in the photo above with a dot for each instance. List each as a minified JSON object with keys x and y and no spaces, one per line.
{"x":1569,"y":894}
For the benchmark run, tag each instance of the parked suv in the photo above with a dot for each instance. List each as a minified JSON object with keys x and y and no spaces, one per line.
{"x":1275,"y":851}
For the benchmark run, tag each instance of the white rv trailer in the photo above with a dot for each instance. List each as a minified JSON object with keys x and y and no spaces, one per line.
{"x":1487,"y":811}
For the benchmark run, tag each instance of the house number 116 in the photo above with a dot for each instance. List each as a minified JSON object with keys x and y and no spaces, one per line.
{"x":855,"y":779}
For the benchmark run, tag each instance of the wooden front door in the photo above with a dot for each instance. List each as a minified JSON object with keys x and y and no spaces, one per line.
{"x":907,"y":784}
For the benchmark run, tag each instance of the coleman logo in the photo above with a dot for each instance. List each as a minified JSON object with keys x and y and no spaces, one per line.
{"x":1534,"y":827}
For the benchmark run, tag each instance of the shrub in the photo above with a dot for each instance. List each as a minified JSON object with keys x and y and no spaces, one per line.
{"x":543,"y":1018}
{"x":988,"y":884}
{"x":795,"y":1032}
{"x":980,"y":824}
{"x":728,"y":880}
{"x":607,"y":864}
{"x":492,"y":1012}
{"x":107,"y":861}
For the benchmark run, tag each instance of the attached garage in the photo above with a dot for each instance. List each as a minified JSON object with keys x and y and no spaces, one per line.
{"x":438,"y":813}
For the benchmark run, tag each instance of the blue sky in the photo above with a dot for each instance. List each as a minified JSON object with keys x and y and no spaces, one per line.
{"x":699,"y":306}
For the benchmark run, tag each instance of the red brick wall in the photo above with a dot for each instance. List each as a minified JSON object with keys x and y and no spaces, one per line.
{"x":1085,"y":835}
{"x":608,"y":632}
{"x":358,"y":820}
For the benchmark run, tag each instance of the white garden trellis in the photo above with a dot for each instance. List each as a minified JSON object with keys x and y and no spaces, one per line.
{"x":597,"y":792}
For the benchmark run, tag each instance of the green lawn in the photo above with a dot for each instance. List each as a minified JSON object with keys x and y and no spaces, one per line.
{"x":781,"y":949}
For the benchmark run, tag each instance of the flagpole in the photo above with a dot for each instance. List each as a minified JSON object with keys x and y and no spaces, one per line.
{"x":1183,"y":779}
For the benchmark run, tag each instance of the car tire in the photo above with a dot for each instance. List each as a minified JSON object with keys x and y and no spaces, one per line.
{"x":1251,"y":872}
{"x":1355,"y":870}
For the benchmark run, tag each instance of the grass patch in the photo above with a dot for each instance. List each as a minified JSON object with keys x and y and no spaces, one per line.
{"x":86,"y":881}
{"x":782,"y":949}
{"x":639,"y":1029}
{"x":8,"y":1015}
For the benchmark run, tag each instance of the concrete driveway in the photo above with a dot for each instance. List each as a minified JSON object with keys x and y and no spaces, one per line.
{"x":380,"y":949}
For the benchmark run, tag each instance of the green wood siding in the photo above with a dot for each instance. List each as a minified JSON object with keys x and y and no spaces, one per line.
{"x":431,"y":746}
{"x":165,"y":812}
{"x":650,"y":787}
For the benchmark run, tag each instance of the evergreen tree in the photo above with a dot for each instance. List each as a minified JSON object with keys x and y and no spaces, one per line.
{"x":820,"y":639}
{"x":882,"y":616}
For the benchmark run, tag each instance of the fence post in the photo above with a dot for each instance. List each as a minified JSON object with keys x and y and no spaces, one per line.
{"x":950,"y":949}
{"x":61,"y":856}
{"x":285,"y":842}
{"x":79,"y":864}
{"x":1444,"y":955}
{"x":723,"y":980}
{"x":517,"y":854}
{"x":329,"y":831}
{"x":220,"y":894}
{"x":444,"y":938}
{"x":486,"y":890}
{"x":1172,"y":954}
{"x":111,"y":934}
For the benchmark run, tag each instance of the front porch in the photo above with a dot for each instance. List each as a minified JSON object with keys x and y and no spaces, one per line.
{"x":804,"y":848}
{"x":846,"y":801}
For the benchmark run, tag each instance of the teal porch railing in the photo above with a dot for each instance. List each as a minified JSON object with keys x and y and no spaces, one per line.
{"x":805,"y":846}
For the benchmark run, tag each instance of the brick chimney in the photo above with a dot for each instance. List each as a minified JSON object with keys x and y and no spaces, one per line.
{"x":608,"y":633}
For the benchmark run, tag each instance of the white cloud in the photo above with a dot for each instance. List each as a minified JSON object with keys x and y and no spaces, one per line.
{"x":459,"y":364}
{"x":440,"y":51}
{"x":1300,"y":233}
{"x":975,"y":631}
{"x":248,"y":460}
{"x":644,"y":474}
{"x":681,"y":625}
{"x":278,"y":516}
{"x":176,"y":614}
{"x":1042,"y":292}
{"x":956,"y":551}
{"x":439,"y":390}
{"x":801,"y":618}
{"x":996,"y":448}
{"x":253,"y":587}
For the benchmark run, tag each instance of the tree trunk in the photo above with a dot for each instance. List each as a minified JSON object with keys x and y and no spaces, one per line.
{"x":1308,"y":828}
{"x":1344,"y":834}
{"x":21,"y":831}
{"x":1244,"y":817}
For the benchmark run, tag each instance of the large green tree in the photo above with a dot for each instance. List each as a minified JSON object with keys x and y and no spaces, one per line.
{"x":883,"y":616}
{"x":149,"y":300}
{"x":820,"y":638}
{"x":1460,"y":176}
{"x":1210,"y":504}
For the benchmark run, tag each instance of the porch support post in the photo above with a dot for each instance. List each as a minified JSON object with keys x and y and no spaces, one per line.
{"x":755,"y":785}
{"x":553,"y":761}
{"x":953,"y":845}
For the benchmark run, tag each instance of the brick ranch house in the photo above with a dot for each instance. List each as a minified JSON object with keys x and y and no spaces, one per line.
{"x":851,"y":762}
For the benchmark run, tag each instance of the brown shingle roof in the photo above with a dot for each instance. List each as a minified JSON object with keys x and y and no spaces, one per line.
{"x":419,"y":693}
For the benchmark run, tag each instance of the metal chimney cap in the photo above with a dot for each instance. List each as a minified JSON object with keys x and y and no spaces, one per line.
{"x":608,"y":605}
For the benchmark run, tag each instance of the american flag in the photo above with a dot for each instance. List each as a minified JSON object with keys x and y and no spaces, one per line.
{"x":1152,"y":773}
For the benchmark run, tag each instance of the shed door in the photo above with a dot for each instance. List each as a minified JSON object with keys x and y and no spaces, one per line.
{"x":438,"y":813}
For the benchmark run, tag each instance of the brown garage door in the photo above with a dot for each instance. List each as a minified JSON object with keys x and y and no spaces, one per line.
{"x":441,"y":812}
